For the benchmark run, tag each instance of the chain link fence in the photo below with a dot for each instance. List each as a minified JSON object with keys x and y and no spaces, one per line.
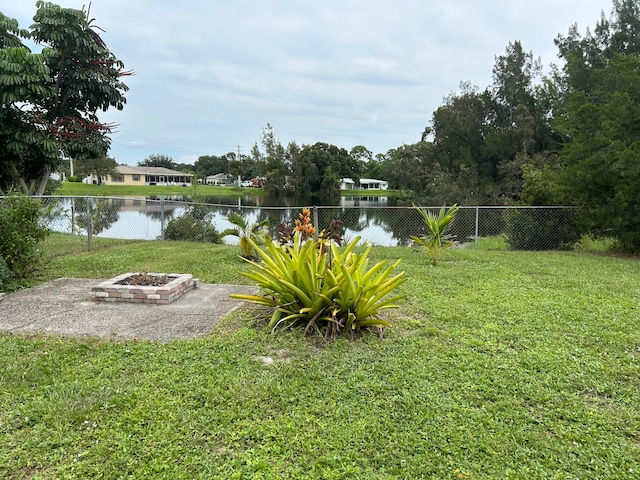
{"x":90,"y":221}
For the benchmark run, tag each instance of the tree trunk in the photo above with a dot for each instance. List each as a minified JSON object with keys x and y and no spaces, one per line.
{"x":16,"y":175}
{"x":43,"y":181}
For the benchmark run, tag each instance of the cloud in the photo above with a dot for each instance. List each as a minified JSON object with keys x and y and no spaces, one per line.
{"x":210,"y":75}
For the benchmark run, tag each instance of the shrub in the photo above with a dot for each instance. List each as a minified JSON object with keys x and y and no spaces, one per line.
{"x":21,"y":230}
{"x":315,"y":285}
{"x":52,"y":186}
{"x":5,"y":275}
{"x":589,"y":243}
{"x":541,"y":228}
{"x":193,"y":226}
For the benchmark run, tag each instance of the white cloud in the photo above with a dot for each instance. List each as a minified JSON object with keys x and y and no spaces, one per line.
{"x":189,"y":159}
{"x":210,"y":75}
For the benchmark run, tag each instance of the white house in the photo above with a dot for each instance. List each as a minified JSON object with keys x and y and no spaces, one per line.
{"x":347,"y":184}
{"x":373,"y":184}
{"x":364,"y":184}
{"x":219,"y":179}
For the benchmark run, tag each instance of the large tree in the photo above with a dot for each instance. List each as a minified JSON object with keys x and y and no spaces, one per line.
{"x":49,"y":101}
{"x":207,"y":165}
{"x":483,"y":138}
{"x":100,"y":167}
{"x":272,"y":162}
{"x":158,"y":160}
{"x":599,"y":121}
{"x":319,"y":167}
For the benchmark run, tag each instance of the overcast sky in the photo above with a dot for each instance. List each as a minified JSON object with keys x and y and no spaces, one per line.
{"x":210,"y":74}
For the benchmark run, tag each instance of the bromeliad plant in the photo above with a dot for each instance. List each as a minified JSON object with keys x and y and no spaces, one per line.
{"x":317,"y":285}
{"x":438,"y":239}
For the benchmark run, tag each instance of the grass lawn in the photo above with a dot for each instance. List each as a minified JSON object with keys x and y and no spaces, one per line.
{"x":74,"y":188}
{"x":373,"y":193}
{"x":499,"y":365}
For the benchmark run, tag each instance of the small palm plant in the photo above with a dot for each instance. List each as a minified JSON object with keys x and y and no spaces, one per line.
{"x":258,"y":233}
{"x":438,"y":239}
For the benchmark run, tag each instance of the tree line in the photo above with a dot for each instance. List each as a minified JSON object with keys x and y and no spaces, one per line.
{"x":569,"y":137}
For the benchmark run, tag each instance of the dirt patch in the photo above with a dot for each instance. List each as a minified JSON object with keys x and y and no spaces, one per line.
{"x":281,"y":356}
{"x":146,"y":279}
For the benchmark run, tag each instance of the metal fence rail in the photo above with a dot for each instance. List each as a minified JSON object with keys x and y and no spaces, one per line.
{"x":88,"y":219}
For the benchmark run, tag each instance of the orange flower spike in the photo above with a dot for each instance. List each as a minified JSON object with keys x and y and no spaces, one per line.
{"x":303,"y":224}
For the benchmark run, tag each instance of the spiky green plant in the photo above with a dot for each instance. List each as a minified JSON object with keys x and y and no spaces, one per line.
{"x":257,"y":232}
{"x":437,"y":240}
{"x":303,"y":285}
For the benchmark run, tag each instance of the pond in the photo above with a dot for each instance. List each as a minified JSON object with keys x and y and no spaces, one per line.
{"x":372,"y":218}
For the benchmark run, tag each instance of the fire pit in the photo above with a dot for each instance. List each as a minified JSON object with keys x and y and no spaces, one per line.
{"x":152,"y":288}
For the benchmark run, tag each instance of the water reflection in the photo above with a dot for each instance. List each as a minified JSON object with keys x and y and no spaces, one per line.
{"x":375,"y":219}
{"x":293,"y":202}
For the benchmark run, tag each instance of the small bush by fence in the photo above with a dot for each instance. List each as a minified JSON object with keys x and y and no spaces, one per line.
{"x":93,"y":219}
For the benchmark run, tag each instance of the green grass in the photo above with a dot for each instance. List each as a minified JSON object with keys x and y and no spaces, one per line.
{"x":597,"y":245}
{"x":500,"y":365}
{"x":586,"y":244}
{"x":57,"y":244}
{"x":496,"y":242}
{"x":211,"y":263}
{"x":74,"y":188}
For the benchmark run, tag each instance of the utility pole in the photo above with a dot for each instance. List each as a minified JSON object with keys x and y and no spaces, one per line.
{"x":238,"y":159}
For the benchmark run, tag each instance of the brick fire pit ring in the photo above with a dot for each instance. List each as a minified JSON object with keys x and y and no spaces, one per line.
{"x":113,"y":290}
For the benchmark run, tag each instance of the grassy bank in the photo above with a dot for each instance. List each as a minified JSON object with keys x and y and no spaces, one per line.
{"x":500,"y":365}
{"x":372,"y":193}
{"x":74,"y":188}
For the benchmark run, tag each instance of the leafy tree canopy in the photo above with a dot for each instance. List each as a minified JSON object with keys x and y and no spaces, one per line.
{"x":49,"y":100}
{"x":599,"y":122}
{"x":158,"y":160}
{"x":101,"y":167}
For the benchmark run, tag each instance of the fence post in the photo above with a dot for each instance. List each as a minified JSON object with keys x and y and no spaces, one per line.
{"x":162,"y":218}
{"x":477,"y":227}
{"x":315,"y":222}
{"x":89,"y":226}
{"x":73,"y":216}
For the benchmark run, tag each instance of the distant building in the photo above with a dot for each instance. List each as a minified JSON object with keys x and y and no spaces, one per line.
{"x":219,"y":179}
{"x":363,"y":184}
{"x":347,"y":184}
{"x":144,"y":176}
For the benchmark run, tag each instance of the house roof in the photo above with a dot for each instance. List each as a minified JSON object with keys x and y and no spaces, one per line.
{"x":126,"y":169}
{"x":217,"y":176}
{"x":372,"y":180}
{"x":363,"y":180}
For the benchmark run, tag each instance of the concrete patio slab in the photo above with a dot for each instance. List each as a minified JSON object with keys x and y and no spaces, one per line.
{"x":64,"y":307}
